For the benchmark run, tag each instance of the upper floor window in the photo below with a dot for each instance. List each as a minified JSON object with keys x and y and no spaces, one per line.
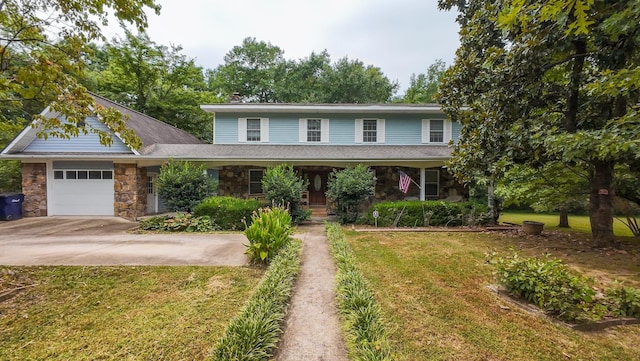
{"x":314,"y":130}
{"x":436,"y":131}
{"x":253,"y":129}
{"x":370,"y":131}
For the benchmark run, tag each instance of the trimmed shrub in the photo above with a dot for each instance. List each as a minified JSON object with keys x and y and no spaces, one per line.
{"x":364,"y":326}
{"x":283,"y":188}
{"x":228,"y":213}
{"x":254,"y":334}
{"x":624,"y":301}
{"x":551,"y":286}
{"x":181,"y":222}
{"x":183,"y":185}
{"x":349,"y":188}
{"x":427,"y":213}
{"x":269,"y":231}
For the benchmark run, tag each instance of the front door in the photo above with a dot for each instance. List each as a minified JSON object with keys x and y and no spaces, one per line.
{"x":152,"y":194}
{"x":317,"y":188}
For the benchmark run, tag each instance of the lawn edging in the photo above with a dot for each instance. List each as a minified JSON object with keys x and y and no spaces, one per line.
{"x":254,"y":333}
{"x":362,"y":322}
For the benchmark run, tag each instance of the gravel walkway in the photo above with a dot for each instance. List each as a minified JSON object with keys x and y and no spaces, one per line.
{"x":312,"y":329}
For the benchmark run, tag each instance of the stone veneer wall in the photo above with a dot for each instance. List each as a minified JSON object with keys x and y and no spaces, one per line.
{"x":130,"y":191}
{"x":34,"y":187}
{"x":233,"y":181}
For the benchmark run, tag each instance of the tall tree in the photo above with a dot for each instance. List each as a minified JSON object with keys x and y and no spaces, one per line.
{"x":156,"y":80}
{"x":535,"y":82}
{"x":350,"y":81}
{"x":423,"y":87}
{"x":42,"y":48}
{"x":253,"y":69}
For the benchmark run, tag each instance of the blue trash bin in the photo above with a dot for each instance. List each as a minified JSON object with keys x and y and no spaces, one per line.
{"x":11,"y":206}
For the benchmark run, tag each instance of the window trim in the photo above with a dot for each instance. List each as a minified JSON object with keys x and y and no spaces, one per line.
{"x":242,"y":130}
{"x":437,"y":184}
{"x":380,"y":131}
{"x":303,"y":130}
{"x":249,"y":180}
{"x":426,"y":131}
{"x":67,"y":174}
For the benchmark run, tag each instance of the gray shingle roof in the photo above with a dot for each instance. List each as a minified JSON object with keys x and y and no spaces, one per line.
{"x":270,"y":152}
{"x":150,"y":130}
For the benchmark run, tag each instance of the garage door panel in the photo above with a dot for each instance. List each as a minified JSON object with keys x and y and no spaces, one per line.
{"x":83,"y":197}
{"x":82,"y":191}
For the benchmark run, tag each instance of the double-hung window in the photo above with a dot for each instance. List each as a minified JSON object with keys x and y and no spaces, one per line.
{"x":432,"y":184}
{"x":437,"y":131}
{"x":253,"y":130}
{"x":313,"y":130}
{"x":255,"y":181}
{"x":370,"y":131}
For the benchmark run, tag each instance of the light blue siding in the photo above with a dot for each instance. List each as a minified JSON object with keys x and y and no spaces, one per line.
{"x":404,"y":129}
{"x":455,"y":131}
{"x":283,"y":130}
{"x":84,"y":143}
{"x":226,"y":130}
{"x":342,"y":131}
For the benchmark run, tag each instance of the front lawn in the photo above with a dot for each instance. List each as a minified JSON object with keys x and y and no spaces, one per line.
{"x":577,"y":223}
{"x":119,"y":313}
{"x":432,"y":288}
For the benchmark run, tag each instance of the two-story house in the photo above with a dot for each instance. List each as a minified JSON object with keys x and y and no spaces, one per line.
{"x":78,"y":176}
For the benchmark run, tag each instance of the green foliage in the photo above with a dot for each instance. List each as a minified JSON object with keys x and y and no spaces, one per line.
{"x":624,"y":301}
{"x":43,"y":51}
{"x":181,"y":222}
{"x":552,"y":187}
{"x":423,"y":87}
{"x":550,"y":285}
{"x":259,"y":71}
{"x":365,"y":328}
{"x":283,"y":188}
{"x":228,"y":213}
{"x":183,"y":185}
{"x":349,"y":188}
{"x":153,"y":79}
{"x":10,"y":171}
{"x":254,"y":334}
{"x":270,"y":230}
{"x":541,"y":82}
{"x":427,"y":213}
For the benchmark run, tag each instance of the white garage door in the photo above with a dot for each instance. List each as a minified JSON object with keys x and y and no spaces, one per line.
{"x":83,"y":189}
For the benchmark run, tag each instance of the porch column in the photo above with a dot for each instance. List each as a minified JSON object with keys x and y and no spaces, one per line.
{"x":422,"y":184}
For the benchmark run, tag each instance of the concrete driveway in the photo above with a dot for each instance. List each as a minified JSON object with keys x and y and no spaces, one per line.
{"x":105,"y":241}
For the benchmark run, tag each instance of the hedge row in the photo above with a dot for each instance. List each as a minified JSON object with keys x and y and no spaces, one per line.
{"x":364,"y":326}
{"x":254,"y":334}
{"x":227,"y":213}
{"x":427,"y":213}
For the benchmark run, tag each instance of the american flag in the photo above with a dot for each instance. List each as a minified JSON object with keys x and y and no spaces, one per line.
{"x":404,"y":183}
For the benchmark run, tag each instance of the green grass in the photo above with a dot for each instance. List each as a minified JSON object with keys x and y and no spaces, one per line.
{"x":431,"y":287}
{"x":577,"y":223}
{"x":120,"y":313}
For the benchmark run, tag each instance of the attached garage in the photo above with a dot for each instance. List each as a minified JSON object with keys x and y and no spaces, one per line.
{"x":81,"y":189}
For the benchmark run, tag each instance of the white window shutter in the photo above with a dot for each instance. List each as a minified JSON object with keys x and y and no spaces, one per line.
{"x":324,"y":131}
{"x":264,"y":130}
{"x":425,"y":130}
{"x":302,"y":130}
{"x":358,"y":131}
{"x":447,"y":131}
{"x":242,"y":129}
{"x":380,"y":130}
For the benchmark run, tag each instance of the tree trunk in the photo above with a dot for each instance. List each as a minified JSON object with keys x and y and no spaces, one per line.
{"x":601,"y":205}
{"x":494,"y":213}
{"x":564,"y":219}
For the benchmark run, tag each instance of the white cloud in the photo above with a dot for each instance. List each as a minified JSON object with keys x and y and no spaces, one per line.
{"x":400,"y":37}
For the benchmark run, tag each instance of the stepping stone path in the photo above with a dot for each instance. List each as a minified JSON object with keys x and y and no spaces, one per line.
{"x":312,"y":329}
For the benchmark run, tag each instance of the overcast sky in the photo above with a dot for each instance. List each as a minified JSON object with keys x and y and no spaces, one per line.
{"x":400,"y":37}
